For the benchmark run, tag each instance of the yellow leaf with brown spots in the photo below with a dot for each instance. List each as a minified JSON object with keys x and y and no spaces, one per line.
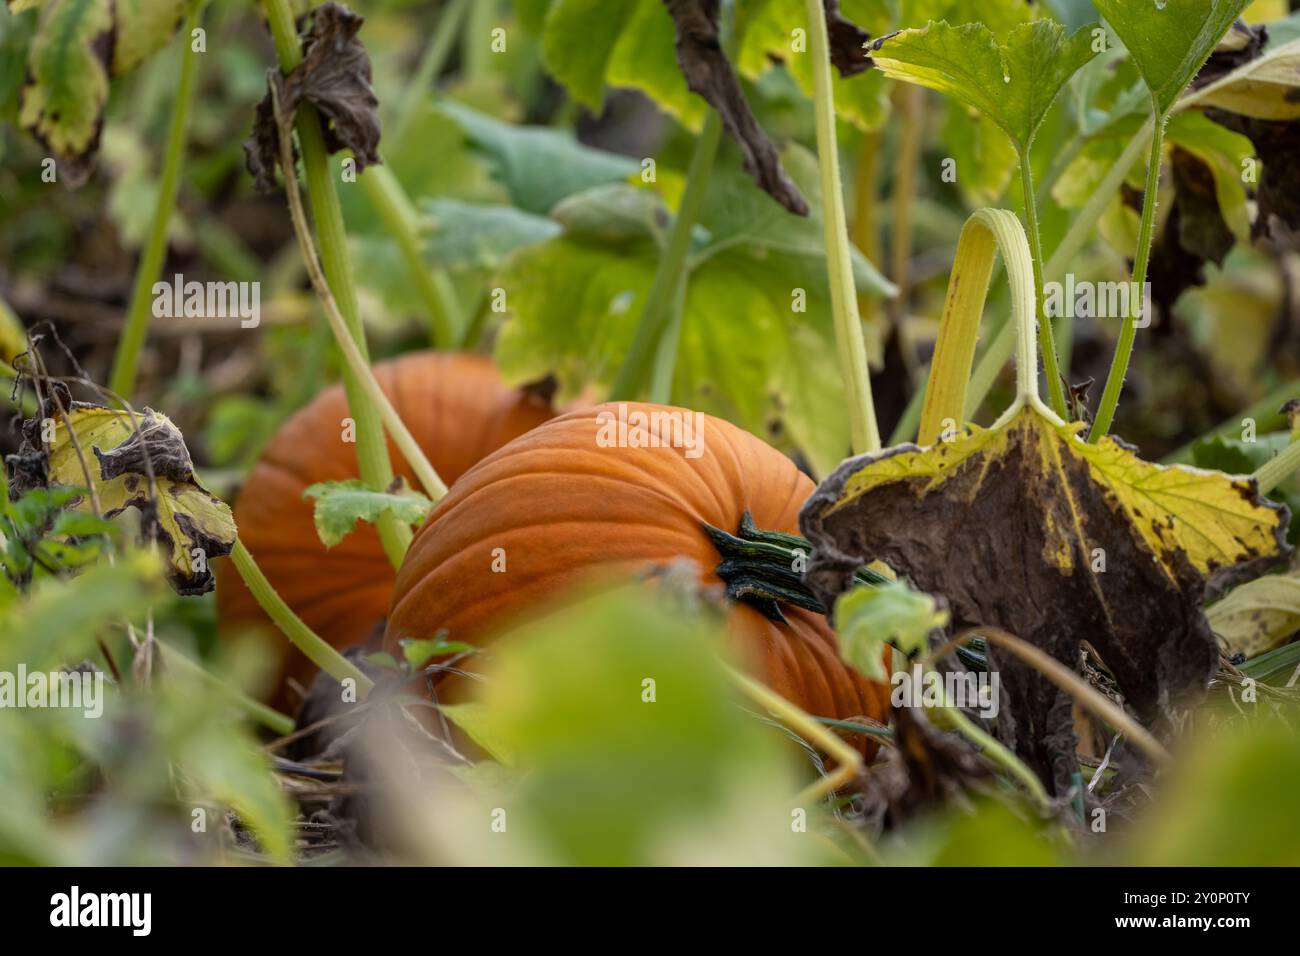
{"x":130,"y":461}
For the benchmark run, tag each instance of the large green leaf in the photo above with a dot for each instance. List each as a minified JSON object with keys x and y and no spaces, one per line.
{"x":745,"y":353}
{"x":538,"y":166}
{"x":1170,"y":40}
{"x":1013,"y":81}
{"x":461,"y":235}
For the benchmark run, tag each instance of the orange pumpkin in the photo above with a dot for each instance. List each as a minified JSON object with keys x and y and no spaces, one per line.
{"x":563,"y":507}
{"x":458,"y":410}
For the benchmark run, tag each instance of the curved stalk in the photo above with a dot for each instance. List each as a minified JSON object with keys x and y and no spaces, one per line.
{"x":292,"y":626}
{"x":372,"y":450}
{"x":653,"y":341}
{"x":848,"y":760}
{"x":1124,"y":348}
{"x":986,"y":232}
{"x":1051,"y":367}
{"x":126,"y":360}
{"x":849,"y":339}
{"x":997,"y":753}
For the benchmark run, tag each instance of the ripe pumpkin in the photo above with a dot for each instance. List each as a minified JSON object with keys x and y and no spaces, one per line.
{"x":458,"y":410}
{"x":564,"y":509}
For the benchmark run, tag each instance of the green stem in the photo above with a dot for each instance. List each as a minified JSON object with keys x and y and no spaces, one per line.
{"x":372,"y":450}
{"x":849,"y":339}
{"x":667,"y":290}
{"x":303,"y":637}
{"x":997,"y":752}
{"x":126,"y":361}
{"x":431,"y":64}
{"x":355,"y":360}
{"x":1051,"y":368}
{"x":1124,"y":348}
{"x":268,"y":717}
{"x":390,"y":201}
{"x":1278,"y":468}
{"x":475,"y":47}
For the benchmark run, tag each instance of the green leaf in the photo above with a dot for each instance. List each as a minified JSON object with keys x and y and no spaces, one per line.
{"x":631,"y":746}
{"x":1013,"y":82}
{"x":870,"y":616}
{"x":17,"y":27}
{"x":986,"y":159}
{"x":340,"y":504}
{"x":1169,"y":40}
{"x":462,"y":235}
{"x":537,"y":165}
{"x":417,"y":653}
{"x":1237,"y":775}
{"x":745,"y":354}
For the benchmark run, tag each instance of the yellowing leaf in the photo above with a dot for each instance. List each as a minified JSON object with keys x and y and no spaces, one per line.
{"x":1025,"y":527}
{"x":1265,"y":88}
{"x":1259,"y":615}
{"x":67,"y":85}
{"x":115,"y":454}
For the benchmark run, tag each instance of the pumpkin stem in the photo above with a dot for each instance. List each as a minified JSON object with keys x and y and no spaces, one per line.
{"x":765,"y":569}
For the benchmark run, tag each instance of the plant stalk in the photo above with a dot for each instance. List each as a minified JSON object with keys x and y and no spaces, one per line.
{"x":268,"y":717}
{"x":372,"y":450}
{"x":390,"y":201}
{"x":126,"y":360}
{"x":849,"y":339}
{"x":355,"y":361}
{"x":292,"y":626}
{"x":653,"y":340}
{"x":1124,"y":348}
{"x":847,"y":758}
{"x":1047,"y":344}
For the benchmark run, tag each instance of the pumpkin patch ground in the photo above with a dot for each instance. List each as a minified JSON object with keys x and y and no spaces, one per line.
{"x":651,"y":433}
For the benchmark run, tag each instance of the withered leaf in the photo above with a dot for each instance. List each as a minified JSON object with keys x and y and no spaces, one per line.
{"x":847,"y":41}
{"x":1026,"y":527}
{"x":709,"y":73}
{"x":135,"y":461}
{"x":334,"y":76}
